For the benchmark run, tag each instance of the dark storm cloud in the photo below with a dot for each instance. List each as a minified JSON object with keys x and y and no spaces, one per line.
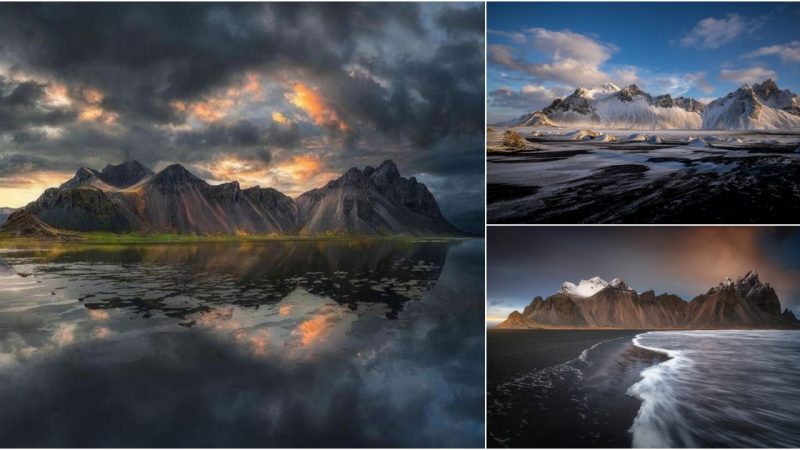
{"x":11,"y":164}
{"x":148,"y":55}
{"x":457,"y":20}
{"x":21,"y":107}
{"x":403,"y":80}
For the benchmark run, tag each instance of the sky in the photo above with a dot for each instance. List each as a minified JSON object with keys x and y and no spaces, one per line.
{"x":538,"y":52}
{"x":525,"y":262}
{"x":281,"y":95}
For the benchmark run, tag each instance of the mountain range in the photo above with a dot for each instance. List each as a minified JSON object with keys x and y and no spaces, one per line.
{"x":130,"y":197}
{"x":595,"y":303}
{"x":759,"y":107}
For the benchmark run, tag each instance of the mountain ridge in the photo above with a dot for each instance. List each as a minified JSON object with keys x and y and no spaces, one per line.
{"x":744,"y":303}
{"x":761,"y":106}
{"x":130,"y":197}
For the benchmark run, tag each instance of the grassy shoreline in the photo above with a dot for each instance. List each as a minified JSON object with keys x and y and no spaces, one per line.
{"x":174,"y":238}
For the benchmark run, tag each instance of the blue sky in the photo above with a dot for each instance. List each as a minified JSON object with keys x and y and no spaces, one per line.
{"x":524,"y":262}
{"x":540,"y":51}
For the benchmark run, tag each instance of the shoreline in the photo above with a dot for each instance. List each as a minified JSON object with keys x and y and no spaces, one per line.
{"x":168,"y":238}
{"x":564,"y":388}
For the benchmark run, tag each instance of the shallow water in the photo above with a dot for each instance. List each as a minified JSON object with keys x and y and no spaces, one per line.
{"x":312,"y":343}
{"x":577,"y":403}
{"x":720,"y":389}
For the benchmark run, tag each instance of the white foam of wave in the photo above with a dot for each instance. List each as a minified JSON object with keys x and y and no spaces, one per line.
{"x":658,"y":413}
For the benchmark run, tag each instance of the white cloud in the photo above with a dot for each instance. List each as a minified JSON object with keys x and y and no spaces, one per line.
{"x":699,"y":80}
{"x":517,"y":38}
{"x":789,"y":52}
{"x":714,"y":33}
{"x":508,"y":103}
{"x":574,"y":58}
{"x":531,"y":97}
{"x":747,"y":76}
{"x":567,"y":45}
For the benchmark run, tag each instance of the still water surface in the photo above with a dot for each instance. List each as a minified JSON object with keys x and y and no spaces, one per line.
{"x":309,"y":343}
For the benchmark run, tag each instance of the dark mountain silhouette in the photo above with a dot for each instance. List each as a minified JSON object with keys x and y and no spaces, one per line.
{"x":744,"y":303}
{"x":131,"y":197}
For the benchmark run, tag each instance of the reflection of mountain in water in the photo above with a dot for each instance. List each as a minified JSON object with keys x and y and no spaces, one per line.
{"x":249,"y":374}
{"x":179,"y":280}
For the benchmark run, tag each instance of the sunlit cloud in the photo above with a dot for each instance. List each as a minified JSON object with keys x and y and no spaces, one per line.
{"x":98,"y":314}
{"x":749,"y":75}
{"x":291,"y":176}
{"x":18,"y":190}
{"x":713,"y":33}
{"x":312,"y":329}
{"x":101,"y":333}
{"x":64,"y":335}
{"x":217,"y":107}
{"x":92,"y":96}
{"x":789,"y":52}
{"x":57,"y":95}
{"x":278,"y":117}
{"x":312,"y":103}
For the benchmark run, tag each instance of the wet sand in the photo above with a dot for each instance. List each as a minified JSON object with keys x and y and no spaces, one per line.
{"x":753,"y":180}
{"x":542,"y":393}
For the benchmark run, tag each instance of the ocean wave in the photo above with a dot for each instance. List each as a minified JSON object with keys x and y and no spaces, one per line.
{"x":719,"y":389}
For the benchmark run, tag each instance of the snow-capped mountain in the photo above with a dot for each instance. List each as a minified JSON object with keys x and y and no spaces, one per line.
{"x":587,"y":288}
{"x":743,"y":303}
{"x":757,"y":107}
{"x":762,"y":106}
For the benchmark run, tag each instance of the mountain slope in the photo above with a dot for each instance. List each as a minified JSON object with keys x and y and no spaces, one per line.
{"x":744,"y":303}
{"x":4,"y":213}
{"x":130,"y":197}
{"x":619,"y":108}
{"x":372,"y":201}
{"x":762,"y":106}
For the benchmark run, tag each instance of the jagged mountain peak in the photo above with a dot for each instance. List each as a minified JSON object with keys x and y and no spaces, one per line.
{"x":743,"y":303}
{"x":584,"y":288}
{"x":744,"y":282}
{"x":759,"y":106}
{"x":83,"y":176}
{"x":174,"y":176}
{"x":125,"y":174}
{"x":373,"y":201}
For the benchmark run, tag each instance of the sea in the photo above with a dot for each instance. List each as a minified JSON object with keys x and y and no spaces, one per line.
{"x":719,"y":389}
{"x":661,"y":389}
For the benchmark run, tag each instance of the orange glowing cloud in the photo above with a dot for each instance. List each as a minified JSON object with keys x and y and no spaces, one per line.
{"x":293,"y":176}
{"x":256,"y":340}
{"x":101,"y":332}
{"x":285,"y":310}
{"x":64,"y":335}
{"x":19,"y":190}
{"x":98,"y":314}
{"x":92,"y":96}
{"x":278,"y":117}
{"x":57,"y":94}
{"x":312,"y":330}
{"x":312,"y":103}
{"x":217,"y":107}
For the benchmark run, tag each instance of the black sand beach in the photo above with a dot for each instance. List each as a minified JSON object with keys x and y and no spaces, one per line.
{"x":543,"y":393}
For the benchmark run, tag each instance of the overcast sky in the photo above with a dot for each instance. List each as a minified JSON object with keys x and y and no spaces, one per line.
{"x":524,"y":262}
{"x":281,"y":95}
{"x":540,"y":51}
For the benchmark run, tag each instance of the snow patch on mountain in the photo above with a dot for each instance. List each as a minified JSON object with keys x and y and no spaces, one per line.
{"x":762,"y":106}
